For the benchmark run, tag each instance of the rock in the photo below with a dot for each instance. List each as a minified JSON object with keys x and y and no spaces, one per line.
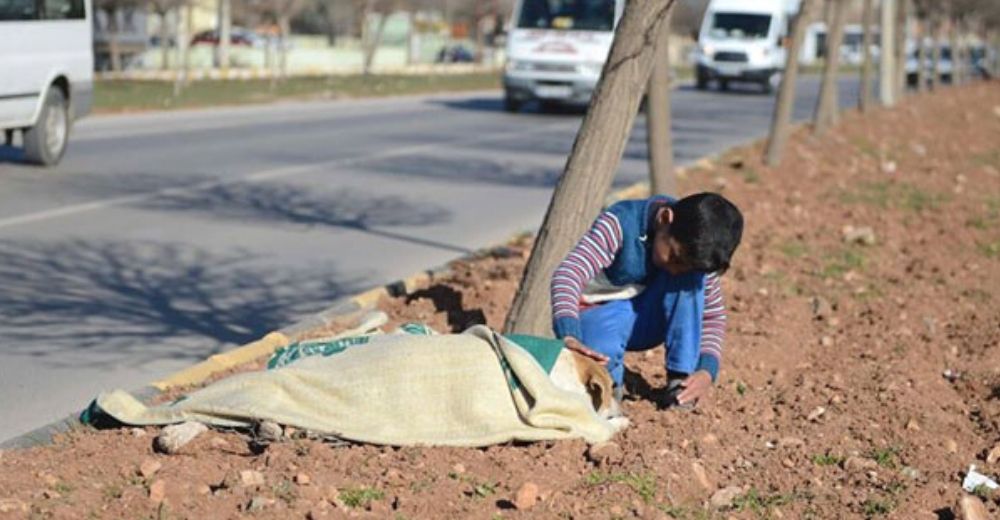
{"x":821,"y":308}
{"x":158,"y":491}
{"x":972,"y":508}
{"x":11,"y":505}
{"x":701,"y":476}
{"x":994,"y":455}
{"x":816,"y":414}
{"x":790,"y":442}
{"x":910,"y":472}
{"x":137,"y":432}
{"x":863,"y":235}
{"x":604,"y":453}
{"x":203,"y":489}
{"x":859,"y":464}
{"x":889,"y":167}
{"x":176,"y":436}
{"x":219,"y":443}
{"x":724,"y":497}
{"x":302,"y":479}
{"x":826,"y":341}
{"x":149,"y":467}
{"x":458,"y":468}
{"x":710,"y":439}
{"x":249,"y":477}
{"x":527,"y":496}
{"x":913,"y":425}
{"x":268,"y":431}
{"x":951,"y":446}
{"x":787,"y":463}
{"x":258,"y":503}
{"x":51,"y":495}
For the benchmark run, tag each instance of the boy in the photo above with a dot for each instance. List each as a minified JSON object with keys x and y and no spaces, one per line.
{"x":647,"y":272}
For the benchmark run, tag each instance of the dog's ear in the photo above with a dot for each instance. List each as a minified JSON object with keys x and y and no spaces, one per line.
{"x":599,"y":387}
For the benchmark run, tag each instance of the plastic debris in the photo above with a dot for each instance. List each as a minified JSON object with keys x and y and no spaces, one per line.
{"x":974,"y":479}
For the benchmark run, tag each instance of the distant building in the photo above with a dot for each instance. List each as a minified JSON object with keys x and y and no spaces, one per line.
{"x":814,"y":46}
{"x":131,"y":37}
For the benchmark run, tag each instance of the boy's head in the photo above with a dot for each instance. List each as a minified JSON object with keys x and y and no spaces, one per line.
{"x":697,"y":233}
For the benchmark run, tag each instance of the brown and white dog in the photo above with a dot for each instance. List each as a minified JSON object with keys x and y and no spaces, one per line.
{"x":580,"y":374}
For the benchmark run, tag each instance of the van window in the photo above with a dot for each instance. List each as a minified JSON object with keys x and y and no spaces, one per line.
{"x":740,"y":25}
{"x":18,"y":10}
{"x":579,"y":15}
{"x":63,"y":9}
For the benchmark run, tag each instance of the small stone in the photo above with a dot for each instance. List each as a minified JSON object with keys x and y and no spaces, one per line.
{"x":51,"y":495}
{"x":268,"y":431}
{"x":710,"y":439}
{"x":158,"y":491}
{"x":724,"y":497}
{"x":204,"y":489}
{"x":137,"y":432}
{"x":826,"y":341}
{"x":149,"y":467}
{"x":249,"y":477}
{"x":951,"y":446}
{"x":790,"y":442}
{"x":302,"y":479}
{"x":458,"y":468}
{"x":701,"y":476}
{"x":527,"y":496}
{"x":176,"y":436}
{"x":861,"y":235}
{"x":910,"y":472}
{"x":10,"y":505}
{"x":258,"y":503}
{"x":859,"y":464}
{"x":821,"y":308}
{"x":994,"y":455}
{"x":604,"y":453}
{"x":913,"y":425}
{"x":889,"y":167}
{"x":787,"y":463}
{"x":816,"y":414}
{"x":972,"y":508}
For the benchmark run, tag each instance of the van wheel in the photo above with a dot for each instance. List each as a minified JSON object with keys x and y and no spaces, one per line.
{"x":45,"y":142}
{"x":701,"y":81}
{"x":510,"y":104}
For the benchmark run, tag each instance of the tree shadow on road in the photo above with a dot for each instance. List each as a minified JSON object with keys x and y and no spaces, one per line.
{"x":107,"y":303}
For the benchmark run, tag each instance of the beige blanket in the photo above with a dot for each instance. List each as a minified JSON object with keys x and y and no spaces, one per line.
{"x":449,"y":390}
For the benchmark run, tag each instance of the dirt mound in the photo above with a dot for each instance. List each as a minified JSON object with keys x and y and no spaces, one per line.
{"x":861,"y":377}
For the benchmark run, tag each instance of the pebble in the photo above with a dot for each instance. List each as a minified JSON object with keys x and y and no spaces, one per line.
{"x":910,"y":472}
{"x":701,"y":476}
{"x":994,"y":455}
{"x":951,"y":446}
{"x":710,"y":439}
{"x":149,"y":467}
{"x":972,"y":508}
{"x":725,"y":496}
{"x":10,"y":505}
{"x":158,"y":491}
{"x":604,"y":453}
{"x":863,"y":235}
{"x":913,"y":425}
{"x":258,"y":503}
{"x":176,"y":436}
{"x":204,"y":489}
{"x":137,"y":432}
{"x":816,"y":414}
{"x":249,"y":477}
{"x":790,"y":442}
{"x":458,"y":468}
{"x":269,"y":431}
{"x":821,"y":308}
{"x":859,"y":463}
{"x":826,"y":341}
{"x":787,"y":463}
{"x":302,"y":479}
{"x":527,"y":496}
{"x":889,"y":167}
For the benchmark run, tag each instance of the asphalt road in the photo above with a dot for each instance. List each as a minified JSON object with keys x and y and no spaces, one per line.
{"x":164,"y":238}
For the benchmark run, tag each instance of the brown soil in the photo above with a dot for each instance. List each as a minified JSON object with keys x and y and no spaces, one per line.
{"x":832,"y":401}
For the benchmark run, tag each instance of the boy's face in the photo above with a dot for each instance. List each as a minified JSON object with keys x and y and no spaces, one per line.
{"x":667,"y":253}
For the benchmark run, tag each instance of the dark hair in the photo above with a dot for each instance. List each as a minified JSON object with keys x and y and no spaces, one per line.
{"x":709,"y":228}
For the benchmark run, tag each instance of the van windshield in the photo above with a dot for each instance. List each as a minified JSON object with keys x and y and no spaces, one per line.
{"x":740,"y":25}
{"x":577,"y":15}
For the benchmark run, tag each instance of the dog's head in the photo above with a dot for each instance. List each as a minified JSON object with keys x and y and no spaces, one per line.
{"x":600,"y":387}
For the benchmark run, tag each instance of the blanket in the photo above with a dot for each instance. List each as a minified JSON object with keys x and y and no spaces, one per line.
{"x":471,"y":389}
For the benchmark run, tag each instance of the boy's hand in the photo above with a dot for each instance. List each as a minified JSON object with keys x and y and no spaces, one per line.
{"x":695,"y":386}
{"x":575,"y":345}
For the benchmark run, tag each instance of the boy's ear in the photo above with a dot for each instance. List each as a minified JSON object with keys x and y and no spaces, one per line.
{"x":664,"y":216}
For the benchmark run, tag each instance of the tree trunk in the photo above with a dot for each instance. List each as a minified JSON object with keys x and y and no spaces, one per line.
{"x":284,"y":26}
{"x":658,"y":139}
{"x":887,"y":54}
{"x":593,"y":161}
{"x":371,"y":47}
{"x":180,"y":30}
{"x":956,"y":73}
{"x":902,"y":24}
{"x":781,"y":120}
{"x":925,"y":27}
{"x":935,"y":79}
{"x":164,"y":38}
{"x":867,"y":64}
{"x":224,"y":26}
{"x":411,"y":38}
{"x":828,"y":104}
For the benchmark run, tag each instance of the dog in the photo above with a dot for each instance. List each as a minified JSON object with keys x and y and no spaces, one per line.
{"x":579,"y":374}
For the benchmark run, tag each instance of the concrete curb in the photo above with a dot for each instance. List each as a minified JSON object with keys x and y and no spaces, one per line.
{"x":341,"y":311}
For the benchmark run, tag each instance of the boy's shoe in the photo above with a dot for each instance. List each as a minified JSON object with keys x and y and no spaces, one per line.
{"x":668,"y":396}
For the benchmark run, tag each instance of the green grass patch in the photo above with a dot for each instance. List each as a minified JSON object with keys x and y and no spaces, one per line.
{"x":877,"y":507}
{"x":134,"y":95}
{"x":759,"y":504}
{"x":893,"y":195}
{"x":988,"y":158}
{"x":741,"y":388}
{"x":886,"y":457}
{"x":643,"y":484}
{"x":989,"y":249}
{"x":827,"y":459}
{"x":794,"y":248}
{"x":840,"y":262}
{"x":865,"y":146}
{"x":360,"y":497}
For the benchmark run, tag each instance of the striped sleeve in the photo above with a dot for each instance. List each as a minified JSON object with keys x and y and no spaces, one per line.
{"x":713,"y":327}
{"x":594,"y":252}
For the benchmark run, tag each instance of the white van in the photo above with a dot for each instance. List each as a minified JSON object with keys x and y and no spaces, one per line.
{"x":743,"y":40}
{"x":46,"y":73}
{"x":556,"y":50}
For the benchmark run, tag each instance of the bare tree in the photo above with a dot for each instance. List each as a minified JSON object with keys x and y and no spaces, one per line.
{"x":165,"y":9}
{"x":223,"y":30}
{"x":828,"y":104}
{"x":113,"y":9}
{"x":781,"y":120}
{"x":661,"y":152}
{"x":867,"y":63}
{"x":593,"y":161}
{"x":903,"y":8}
{"x":887,"y":54}
{"x":922,"y":14}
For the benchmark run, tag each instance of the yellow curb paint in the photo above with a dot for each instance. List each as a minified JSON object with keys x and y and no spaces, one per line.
{"x":219,"y":362}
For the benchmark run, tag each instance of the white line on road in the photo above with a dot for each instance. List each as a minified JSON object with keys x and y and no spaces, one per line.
{"x":262,"y":175}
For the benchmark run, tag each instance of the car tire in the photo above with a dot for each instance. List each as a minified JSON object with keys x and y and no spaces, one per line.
{"x":45,"y":143}
{"x":723,"y":85}
{"x":510,"y":104}
{"x":701,"y":81}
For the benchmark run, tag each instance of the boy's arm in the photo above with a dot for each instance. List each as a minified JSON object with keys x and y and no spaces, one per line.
{"x":713,"y":327}
{"x":594,"y":252}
